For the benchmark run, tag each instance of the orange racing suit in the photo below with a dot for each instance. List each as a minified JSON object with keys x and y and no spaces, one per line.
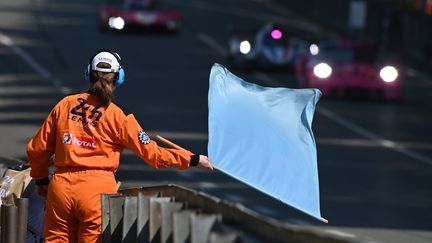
{"x":87,"y":141}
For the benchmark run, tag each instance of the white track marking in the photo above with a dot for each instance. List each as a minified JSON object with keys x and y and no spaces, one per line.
{"x":8,"y":102}
{"x":17,"y":90}
{"x":360,"y":142}
{"x":6,"y":116}
{"x":5,"y":40}
{"x":213,"y":44}
{"x":340,"y":233}
{"x":373,"y":137}
{"x":15,"y":77}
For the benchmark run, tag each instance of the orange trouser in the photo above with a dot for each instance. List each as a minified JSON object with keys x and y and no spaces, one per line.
{"x":73,"y":205}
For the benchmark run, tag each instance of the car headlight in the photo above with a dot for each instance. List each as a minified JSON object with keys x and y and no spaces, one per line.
{"x":322,"y":70}
{"x":314,"y":49}
{"x":389,"y":74}
{"x":116,"y":23}
{"x":245,"y":47}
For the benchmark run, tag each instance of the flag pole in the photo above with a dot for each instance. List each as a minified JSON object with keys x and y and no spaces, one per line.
{"x":169,"y":143}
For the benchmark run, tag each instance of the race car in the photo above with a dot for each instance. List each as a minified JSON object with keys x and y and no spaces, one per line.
{"x":344,"y":68}
{"x":271,"y":47}
{"x":138,"y":15}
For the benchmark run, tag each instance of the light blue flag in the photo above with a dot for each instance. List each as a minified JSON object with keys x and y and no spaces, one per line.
{"x":263,"y":137}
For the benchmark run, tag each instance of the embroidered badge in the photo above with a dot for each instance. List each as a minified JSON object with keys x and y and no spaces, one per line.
{"x":143,"y":137}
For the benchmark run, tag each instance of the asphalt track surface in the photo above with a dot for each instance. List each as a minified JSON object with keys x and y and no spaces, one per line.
{"x":374,"y":158}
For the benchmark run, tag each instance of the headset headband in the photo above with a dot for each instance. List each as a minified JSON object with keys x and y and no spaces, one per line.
{"x":116,"y":66}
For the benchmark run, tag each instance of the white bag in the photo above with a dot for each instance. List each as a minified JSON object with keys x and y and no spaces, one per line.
{"x":13,"y":184}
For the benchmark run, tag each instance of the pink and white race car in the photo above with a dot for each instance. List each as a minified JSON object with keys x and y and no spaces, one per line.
{"x":138,"y":15}
{"x":349,"y":69}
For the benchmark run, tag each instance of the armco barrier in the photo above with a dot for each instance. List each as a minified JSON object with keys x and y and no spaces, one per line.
{"x":172,"y":213}
{"x":13,"y":223}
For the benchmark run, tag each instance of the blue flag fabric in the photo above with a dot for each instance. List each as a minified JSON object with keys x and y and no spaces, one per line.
{"x":263,"y":137}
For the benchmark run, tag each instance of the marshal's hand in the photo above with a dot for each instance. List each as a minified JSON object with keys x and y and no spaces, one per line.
{"x":204,"y":163}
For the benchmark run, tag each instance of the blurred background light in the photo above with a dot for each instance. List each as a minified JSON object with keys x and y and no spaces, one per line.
{"x":245,"y":47}
{"x":276,"y":34}
{"x":322,"y":70}
{"x":116,"y":23}
{"x":389,"y":74}
{"x":314,"y":49}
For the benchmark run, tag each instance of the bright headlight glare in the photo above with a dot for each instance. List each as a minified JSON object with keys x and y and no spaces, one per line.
{"x":314,"y":49}
{"x":245,"y":47}
{"x":389,"y":74}
{"x":322,"y":70}
{"x":116,"y":23}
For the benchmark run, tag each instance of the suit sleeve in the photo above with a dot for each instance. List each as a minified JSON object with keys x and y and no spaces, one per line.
{"x":132,"y":136}
{"x":42,"y":146}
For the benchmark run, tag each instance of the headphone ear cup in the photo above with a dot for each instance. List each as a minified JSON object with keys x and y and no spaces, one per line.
{"x":87,"y":73}
{"x":121,"y":77}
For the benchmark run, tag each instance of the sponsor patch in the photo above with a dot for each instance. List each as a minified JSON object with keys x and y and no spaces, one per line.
{"x":67,"y":138}
{"x":82,"y":142}
{"x":143,"y":137}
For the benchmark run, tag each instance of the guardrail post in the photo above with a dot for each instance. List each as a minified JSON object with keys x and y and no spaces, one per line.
{"x":181,"y":226}
{"x":201,"y":225}
{"x":130,"y":211}
{"x":143,"y":218}
{"x":155,"y":218}
{"x":167,"y":210}
{"x":220,"y":237}
{"x":106,"y":225}
{"x":23,"y":204}
{"x":116,"y":203}
{"x":3,"y":168}
{"x":9,"y":220}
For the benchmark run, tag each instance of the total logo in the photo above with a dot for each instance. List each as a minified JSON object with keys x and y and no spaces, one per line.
{"x":83,"y":142}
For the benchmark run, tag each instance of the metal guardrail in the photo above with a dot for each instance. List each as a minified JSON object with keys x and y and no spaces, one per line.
{"x":172,"y":213}
{"x":144,"y":218}
{"x":13,"y":223}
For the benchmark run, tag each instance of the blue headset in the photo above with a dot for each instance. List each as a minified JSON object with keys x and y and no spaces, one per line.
{"x":120,"y":75}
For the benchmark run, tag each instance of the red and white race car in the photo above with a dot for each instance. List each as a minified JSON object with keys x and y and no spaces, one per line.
{"x":349,"y":69}
{"x":122,"y":15}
